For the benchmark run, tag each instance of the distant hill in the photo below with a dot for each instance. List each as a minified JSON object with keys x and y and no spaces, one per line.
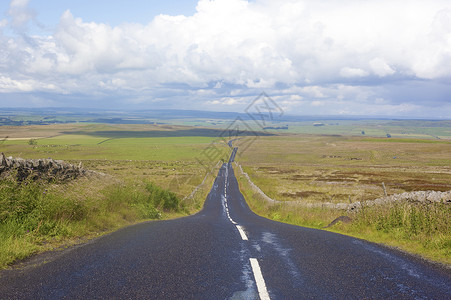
{"x":18,"y":116}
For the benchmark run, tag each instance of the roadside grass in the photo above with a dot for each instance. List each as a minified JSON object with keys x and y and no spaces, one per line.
{"x":38,"y":216}
{"x":284,"y":211}
{"x":143,"y":179}
{"x":318,"y":169}
{"x":344,"y":169}
{"x":424,"y":230}
{"x":420,"y":228}
{"x":300,"y":168}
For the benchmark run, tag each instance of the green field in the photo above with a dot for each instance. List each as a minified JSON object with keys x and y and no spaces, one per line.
{"x":336,"y":168}
{"x":313,"y":169}
{"x":141,"y":165}
{"x":418,"y":129}
{"x":332,"y":163}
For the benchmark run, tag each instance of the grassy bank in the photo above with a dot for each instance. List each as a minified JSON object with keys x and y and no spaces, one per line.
{"x":148,"y":176}
{"x":422,"y":229}
{"x":339,"y":169}
{"x":342,"y":169}
{"x":152,"y":169}
{"x":38,"y":216}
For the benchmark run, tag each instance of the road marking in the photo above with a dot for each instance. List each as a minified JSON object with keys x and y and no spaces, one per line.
{"x":230,"y":219}
{"x":259,"y":280}
{"x":240,"y":229}
{"x":242,"y":233}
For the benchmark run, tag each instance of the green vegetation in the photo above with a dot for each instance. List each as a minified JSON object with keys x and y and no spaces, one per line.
{"x":139,"y":179}
{"x":35,"y":216}
{"x":32,"y":142}
{"x":419,"y":129}
{"x":419,"y":229}
{"x":152,"y":169}
{"x":336,"y":169}
{"x":283,"y":211}
{"x":309,"y":169}
{"x":422,"y":229}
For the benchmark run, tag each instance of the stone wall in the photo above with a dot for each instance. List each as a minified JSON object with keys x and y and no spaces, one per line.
{"x":419,"y":196}
{"x":34,"y":169}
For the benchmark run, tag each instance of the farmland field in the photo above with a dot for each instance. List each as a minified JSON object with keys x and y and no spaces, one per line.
{"x":299,"y":168}
{"x":338,"y":168}
{"x":134,"y":163}
{"x":157,"y":153}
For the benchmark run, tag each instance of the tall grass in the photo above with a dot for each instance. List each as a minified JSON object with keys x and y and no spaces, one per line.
{"x":422,"y":228}
{"x":419,"y":228}
{"x":35,"y":216}
{"x":285,"y":211}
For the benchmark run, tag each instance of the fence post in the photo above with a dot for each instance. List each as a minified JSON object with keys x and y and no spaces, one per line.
{"x":385,"y":190}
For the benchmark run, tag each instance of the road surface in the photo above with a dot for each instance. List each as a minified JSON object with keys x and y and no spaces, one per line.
{"x":227,"y":252}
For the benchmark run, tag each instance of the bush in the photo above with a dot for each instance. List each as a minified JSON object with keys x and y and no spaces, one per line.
{"x":426,"y":223}
{"x":163,"y":199}
{"x":34,"y":212}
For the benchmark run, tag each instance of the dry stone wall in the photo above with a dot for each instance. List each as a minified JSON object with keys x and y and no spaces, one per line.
{"x":34,"y":169}
{"x":418,"y":196}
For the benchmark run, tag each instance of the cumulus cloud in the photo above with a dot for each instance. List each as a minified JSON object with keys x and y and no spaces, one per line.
{"x":353,"y":72}
{"x":20,"y":13}
{"x":380,"y":67}
{"x":343,"y":51}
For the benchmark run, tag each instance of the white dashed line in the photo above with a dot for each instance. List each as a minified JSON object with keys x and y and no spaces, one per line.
{"x":259,"y":280}
{"x":242,"y":233}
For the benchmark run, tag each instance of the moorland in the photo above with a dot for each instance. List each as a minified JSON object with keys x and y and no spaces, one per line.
{"x":155,"y":167}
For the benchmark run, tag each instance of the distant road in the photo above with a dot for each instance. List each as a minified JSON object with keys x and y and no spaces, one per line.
{"x":227,"y":252}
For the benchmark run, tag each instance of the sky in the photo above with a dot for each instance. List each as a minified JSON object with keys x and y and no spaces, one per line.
{"x":312,"y":57}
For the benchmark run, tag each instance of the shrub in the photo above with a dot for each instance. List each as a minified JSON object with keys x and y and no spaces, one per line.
{"x":163,"y":199}
{"x":32,"y":212}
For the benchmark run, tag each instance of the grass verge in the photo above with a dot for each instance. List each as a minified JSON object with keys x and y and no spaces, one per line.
{"x":38,"y":216}
{"x":150,"y":171}
{"x":421,"y":229}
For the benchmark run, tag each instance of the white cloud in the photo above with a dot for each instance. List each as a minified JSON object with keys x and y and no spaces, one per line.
{"x":380,"y":67}
{"x":296,"y":97}
{"x":353,"y":72}
{"x":20,"y":13}
{"x":313,"y":49}
{"x":317,"y":103}
{"x":10,"y":85}
{"x":226,"y":102}
{"x":314,"y":91}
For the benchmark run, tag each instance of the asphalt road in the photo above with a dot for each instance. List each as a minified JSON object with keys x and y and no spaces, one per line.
{"x":227,"y":252}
